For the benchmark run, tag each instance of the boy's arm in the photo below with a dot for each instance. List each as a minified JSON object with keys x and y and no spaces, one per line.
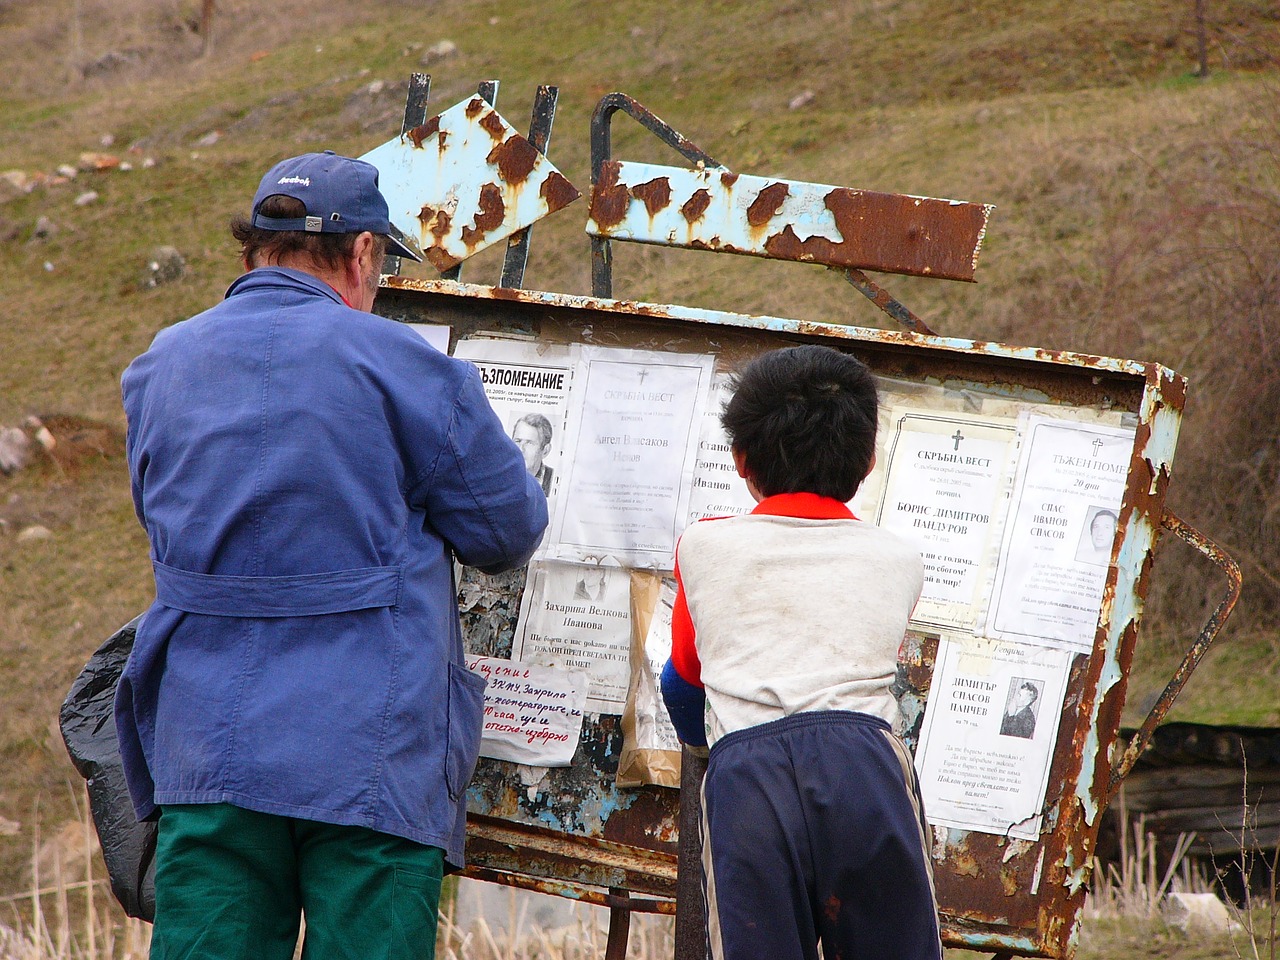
{"x":682,"y":676}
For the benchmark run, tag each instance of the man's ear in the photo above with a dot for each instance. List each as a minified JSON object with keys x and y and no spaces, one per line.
{"x":740,"y":462}
{"x":363,"y":251}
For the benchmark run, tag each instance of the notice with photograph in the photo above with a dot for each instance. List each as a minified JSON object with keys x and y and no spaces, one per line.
{"x":532,"y":714}
{"x":631,"y":444}
{"x":526,"y":383}
{"x":943,"y":491}
{"x":718,"y":491}
{"x":989,"y":732}
{"x":1057,"y":542}
{"x":577,"y":617}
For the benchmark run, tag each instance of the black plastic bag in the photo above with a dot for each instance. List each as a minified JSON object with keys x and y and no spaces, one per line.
{"x":89,"y":731}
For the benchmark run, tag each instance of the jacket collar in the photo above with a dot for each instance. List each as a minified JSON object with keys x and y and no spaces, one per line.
{"x":806,"y":506}
{"x":260,"y":277}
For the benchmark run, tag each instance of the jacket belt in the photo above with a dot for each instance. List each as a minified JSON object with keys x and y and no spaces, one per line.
{"x":305,"y":595}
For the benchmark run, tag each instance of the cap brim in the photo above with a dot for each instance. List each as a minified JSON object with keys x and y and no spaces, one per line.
{"x":398,"y":247}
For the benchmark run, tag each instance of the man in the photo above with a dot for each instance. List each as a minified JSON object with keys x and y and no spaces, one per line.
{"x":1096,"y":548}
{"x":297,"y":708}
{"x":1019,"y":719}
{"x":532,"y":434}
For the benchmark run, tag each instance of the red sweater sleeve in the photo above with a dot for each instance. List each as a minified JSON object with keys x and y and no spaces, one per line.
{"x":684,"y":652}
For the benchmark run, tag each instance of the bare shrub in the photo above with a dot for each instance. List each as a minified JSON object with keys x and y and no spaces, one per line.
{"x":1223,"y":268}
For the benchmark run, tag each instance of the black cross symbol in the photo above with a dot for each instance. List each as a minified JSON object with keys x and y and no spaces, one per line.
{"x":643,"y":373}
{"x":957,"y":437}
{"x":1097,"y":445}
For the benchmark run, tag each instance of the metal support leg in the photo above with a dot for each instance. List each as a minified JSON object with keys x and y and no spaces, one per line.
{"x":885,"y":301}
{"x":488,"y":92}
{"x":544,"y":113}
{"x":415,"y":114}
{"x":619,"y":928}
{"x":691,"y":924}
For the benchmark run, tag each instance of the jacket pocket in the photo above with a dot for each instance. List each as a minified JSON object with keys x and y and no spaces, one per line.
{"x":466,"y":719}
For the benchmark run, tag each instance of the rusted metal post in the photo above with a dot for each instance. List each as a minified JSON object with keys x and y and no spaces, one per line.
{"x":619,"y":926}
{"x":885,"y":301}
{"x":415,"y":102}
{"x":544,"y":114}
{"x":415,"y":114}
{"x":602,"y":150}
{"x":488,"y":91}
{"x":691,"y":925}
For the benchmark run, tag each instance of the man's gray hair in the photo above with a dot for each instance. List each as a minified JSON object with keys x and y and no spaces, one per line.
{"x":539,"y":423}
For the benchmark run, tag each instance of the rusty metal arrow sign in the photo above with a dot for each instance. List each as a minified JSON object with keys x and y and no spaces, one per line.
{"x":465,"y":180}
{"x":711,"y":208}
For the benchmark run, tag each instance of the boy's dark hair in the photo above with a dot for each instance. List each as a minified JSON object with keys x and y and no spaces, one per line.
{"x":805,"y":420}
{"x":261,"y":248}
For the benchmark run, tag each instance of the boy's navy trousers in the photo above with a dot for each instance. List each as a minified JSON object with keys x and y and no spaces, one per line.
{"x":812,"y":828}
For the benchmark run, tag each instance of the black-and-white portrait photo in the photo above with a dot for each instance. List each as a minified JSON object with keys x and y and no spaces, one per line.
{"x":1099,"y":531}
{"x":532,"y":434}
{"x":1021,"y":708}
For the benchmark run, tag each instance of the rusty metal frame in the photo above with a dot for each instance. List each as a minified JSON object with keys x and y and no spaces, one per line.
{"x":602,"y":152}
{"x":637,"y":867}
{"x":1231,"y":570}
{"x":1014,"y":898}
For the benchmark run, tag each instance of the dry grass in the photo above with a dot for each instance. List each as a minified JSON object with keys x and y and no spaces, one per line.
{"x":584,"y":938}
{"x":1135,"y":887}
{"x":67,"y":912}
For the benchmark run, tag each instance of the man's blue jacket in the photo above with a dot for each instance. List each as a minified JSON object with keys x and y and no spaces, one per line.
{"x":306,"y":474}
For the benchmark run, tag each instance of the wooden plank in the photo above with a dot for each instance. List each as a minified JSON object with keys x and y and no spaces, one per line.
{"x":1211,"y":819}
{"x":1193,"y":777}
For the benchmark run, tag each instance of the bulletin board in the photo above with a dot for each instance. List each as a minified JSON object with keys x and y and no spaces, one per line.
{"x":1032,"y":482}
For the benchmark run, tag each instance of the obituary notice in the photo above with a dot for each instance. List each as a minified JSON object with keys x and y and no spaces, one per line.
{"x":631,"y":444}
{"x":526,"y":384}
{"x":532,"y":714}
{"x":942,"y":491}
{"x":718,"y":491}
{"x":577,"y":617}
{"x":988,"y":735}
{"x":1057,"y":542}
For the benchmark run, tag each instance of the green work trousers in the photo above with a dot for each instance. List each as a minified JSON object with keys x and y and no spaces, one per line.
{"x":231,"y":884}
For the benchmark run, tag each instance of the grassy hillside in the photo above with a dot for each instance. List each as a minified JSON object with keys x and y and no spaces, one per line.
{"x":1135,"y":216}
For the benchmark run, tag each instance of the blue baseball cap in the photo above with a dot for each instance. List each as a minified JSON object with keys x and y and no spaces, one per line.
{"x":340,"y":195}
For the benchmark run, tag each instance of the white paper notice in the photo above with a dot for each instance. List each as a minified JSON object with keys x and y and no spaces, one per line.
{"x":989,"y":733}
{"x":532,"y":714}
{"x":943,"y":488}
{"x":653,"y":724}
{"x":526,"y":384}
{"x":631,"y":443}
{"x":436,"y":334}
{"x":1057,"y":542}
{"x":577,"y":617}
{"x":718,"y":491}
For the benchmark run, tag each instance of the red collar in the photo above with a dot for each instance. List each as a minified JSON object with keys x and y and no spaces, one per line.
{"x":806,"y":506}
{"x":339,"y":293}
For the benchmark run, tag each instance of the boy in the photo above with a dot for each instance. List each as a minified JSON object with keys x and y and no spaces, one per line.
{"x":786,"y":631}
